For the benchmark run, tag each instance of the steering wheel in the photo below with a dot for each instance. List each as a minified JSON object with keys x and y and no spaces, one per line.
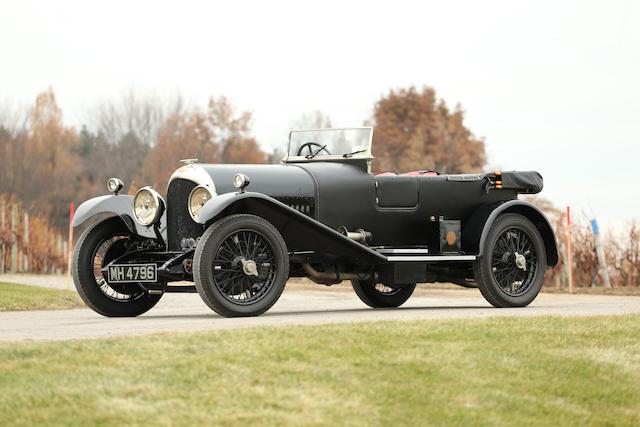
{"x":309,"y":146}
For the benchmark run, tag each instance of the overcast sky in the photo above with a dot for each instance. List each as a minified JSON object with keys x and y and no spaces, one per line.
{"x":552,"y":86}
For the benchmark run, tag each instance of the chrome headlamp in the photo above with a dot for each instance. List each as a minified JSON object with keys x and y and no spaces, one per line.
{"x":197,"y":199}
{"x":114,"y":185}
{"x":240,"y":181}
{"x":148,"y":206}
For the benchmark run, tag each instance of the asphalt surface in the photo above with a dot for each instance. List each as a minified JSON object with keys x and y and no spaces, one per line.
{"x":299,"y":305}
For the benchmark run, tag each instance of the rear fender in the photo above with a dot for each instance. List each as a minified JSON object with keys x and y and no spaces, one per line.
{"x":102,"y":208}
{"x":476,"y":229}
{"x":299,"y":231}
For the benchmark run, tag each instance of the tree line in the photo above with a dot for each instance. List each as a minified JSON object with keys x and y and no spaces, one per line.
{"x":45,"y":164}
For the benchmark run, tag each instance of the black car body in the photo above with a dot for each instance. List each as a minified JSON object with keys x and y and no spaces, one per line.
{"x":323,"y":214}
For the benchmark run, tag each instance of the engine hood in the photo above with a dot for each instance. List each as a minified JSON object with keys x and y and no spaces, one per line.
{"x":272,"y":180}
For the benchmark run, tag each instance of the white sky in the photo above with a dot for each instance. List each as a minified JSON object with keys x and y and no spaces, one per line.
{"x":552,"y":86}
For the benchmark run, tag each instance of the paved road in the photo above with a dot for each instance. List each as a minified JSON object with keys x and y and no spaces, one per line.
{"x":299,"y":305}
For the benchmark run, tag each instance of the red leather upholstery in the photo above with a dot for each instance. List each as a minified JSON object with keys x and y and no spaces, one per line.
{"x":421,"y":173}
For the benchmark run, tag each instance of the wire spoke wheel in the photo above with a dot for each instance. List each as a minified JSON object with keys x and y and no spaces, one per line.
{"x":514,"y":261}
{"x":244,"y":267}
{"x":108,"y":250}
{"x":241,"y":265}
{"x":97,"y":247}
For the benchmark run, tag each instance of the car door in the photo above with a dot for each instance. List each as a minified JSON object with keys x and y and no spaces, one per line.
{"x":396,"y":191}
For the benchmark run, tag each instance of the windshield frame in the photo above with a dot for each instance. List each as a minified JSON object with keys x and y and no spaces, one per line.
{"x":325,"y":157}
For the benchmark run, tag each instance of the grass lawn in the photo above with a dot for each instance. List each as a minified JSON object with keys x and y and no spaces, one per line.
{"x":21,"y":297}
{"x":501,"y":371}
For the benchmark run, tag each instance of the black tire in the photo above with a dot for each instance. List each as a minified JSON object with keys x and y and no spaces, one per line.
{"x":84,"y":277}
{"x":371,"y":294}
{"x":501,"y":281}
{"x":218,"y":274}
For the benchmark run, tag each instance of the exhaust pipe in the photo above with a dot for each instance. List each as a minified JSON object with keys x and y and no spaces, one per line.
{"x":324,"y":277}
{"x":359,"y":235}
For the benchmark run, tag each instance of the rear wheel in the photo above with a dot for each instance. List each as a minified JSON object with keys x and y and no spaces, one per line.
{"x":378,"y":295}
{"x":241,"y":265}
{"x":98,"y":246}
{"x":511,"y":272}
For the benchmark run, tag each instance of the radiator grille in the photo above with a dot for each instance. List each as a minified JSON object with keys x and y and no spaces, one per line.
{"x":179,"y":222}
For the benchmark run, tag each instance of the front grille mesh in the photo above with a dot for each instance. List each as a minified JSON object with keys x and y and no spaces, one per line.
{"x":179,"y":222}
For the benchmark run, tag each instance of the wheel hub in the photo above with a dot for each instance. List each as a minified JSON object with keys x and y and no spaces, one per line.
{"x":249,"y":267}
{"x":521,"y":261}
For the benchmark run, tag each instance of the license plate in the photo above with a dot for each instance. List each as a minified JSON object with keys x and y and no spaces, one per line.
{"x":132,"y":273}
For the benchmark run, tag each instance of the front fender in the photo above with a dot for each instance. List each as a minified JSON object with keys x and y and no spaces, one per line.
{"x":299,"y":231}
{"x":101,"y":208}
{"x":476,"y":230}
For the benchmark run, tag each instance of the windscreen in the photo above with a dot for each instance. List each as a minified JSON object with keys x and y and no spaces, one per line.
{"x":330,"y":142}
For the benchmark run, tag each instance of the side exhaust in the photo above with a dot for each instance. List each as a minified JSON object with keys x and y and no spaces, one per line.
{"x":332,"y":278}
{"x":359,"y":235}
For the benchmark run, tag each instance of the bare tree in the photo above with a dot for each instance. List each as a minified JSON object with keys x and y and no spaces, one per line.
{"x":14,"y":122}
{"x":142,"y":115}
{"x":312,"y":120}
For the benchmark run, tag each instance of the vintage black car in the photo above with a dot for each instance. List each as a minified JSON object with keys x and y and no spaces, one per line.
{"x":236,"y":233}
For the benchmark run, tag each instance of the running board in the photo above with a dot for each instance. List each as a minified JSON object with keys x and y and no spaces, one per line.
{"x":432,"y":258}
{"x":402,"y":251}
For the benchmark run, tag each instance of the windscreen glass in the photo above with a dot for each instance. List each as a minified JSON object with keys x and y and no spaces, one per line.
{"x":330,"y":142}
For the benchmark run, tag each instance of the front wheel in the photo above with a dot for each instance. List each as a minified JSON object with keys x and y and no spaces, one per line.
{"x":97,"y":247}
{"x":511,"y":272}
{"x":378,"y":295}
{"x":241,"y":265}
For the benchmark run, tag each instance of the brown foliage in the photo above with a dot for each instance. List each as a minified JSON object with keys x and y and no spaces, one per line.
{"x":415,"y":130}
{"x":48,"y":165}
{"x":39,"y":163}
{"x":622,"y":250}
{"x":43,"y":247}
{"x":182,"y":136}
{"x":214,"y":136}
{"x":623,"y":255}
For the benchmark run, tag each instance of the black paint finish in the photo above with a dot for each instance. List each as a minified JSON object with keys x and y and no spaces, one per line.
{"x":399,"y":211}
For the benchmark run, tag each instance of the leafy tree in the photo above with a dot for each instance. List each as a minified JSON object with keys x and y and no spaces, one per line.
{"x":182,"y":136}
{"x":48,"y":178}
{"x":415,"y":130}
{"x":217,"y":135}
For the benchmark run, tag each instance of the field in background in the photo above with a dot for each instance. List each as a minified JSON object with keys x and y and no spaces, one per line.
{"x":508,"y":371}
{"x":20,"y":297}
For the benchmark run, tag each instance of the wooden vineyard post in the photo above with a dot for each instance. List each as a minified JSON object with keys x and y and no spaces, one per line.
{"x":70,"y":243}
{"x":59,"y":252}
{"x":14,"y":239}
{"x":3,"y":224}
{"x":25,"y":244}
{"x":569,"y":237}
